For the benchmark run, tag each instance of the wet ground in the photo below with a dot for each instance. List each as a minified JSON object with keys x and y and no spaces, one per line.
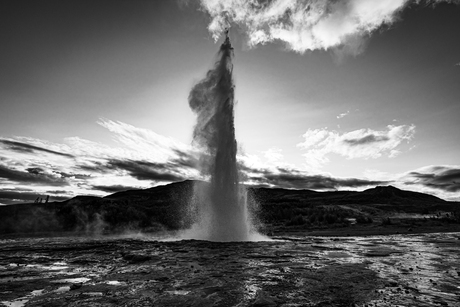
{"x":395,"y":270}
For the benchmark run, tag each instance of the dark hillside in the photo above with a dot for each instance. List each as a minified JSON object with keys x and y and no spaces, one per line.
{"x":162,"y":207}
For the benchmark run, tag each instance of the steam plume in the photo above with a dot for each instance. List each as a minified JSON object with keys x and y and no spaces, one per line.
{"x":222,"y":208}
{"x":307,"y":24}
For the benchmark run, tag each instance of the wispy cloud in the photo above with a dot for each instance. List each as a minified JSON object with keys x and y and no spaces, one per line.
{"x":296,"y":179}
{"x":28,"y":148}
{"x":342,"y":115}
{"x":141,"y":159}
{"x":144,"y":143}
{"x":34,"y":176}
{"x":274,"y":154}
{"x":113,"y":188}
{"x":79,"y":166}
{"x":274,"y":172}
{"x":143,"y":170}
{"x":362,"y":143}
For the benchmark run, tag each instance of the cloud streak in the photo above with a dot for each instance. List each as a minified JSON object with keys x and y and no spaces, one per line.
{"x":306,"y":24}
{"x":441,"y":177}
{"x":362,"y":143}
{"x":34,"y":176}
{"x":143,"y":170}
{"x":113,"y":188}
{"x":28,"y":148}
{"x":141,"y":159}
{"x":342,"y":115}
{"x":295,"y":179}
{"x":143,"y":143}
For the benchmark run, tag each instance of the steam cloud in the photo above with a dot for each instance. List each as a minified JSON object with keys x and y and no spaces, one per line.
{"x":307,"y":24}
{"x":222,"y":209}
{"x":212,"y":101}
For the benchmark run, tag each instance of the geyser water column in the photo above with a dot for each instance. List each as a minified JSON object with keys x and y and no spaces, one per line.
{"x":220,"y":207}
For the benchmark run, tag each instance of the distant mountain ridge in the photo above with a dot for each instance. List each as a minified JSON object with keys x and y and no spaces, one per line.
{"x":390,"y":193}
{"x":163,"y":207}
{"x":384,"y":194}
{"x":380,"y":194}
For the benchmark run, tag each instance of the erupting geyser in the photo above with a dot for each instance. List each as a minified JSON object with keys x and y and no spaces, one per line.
{"x":220,"y":207}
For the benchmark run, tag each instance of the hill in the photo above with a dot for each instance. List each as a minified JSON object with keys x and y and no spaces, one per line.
{"x":164,"y":207}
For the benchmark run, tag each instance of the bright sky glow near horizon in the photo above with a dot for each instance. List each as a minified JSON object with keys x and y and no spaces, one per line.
{"x":330,"y":95}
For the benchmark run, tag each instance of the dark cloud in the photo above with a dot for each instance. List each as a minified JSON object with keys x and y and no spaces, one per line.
{"x":56,"y":192}
{"x":143,"y":170}
{"x":95,"y":166}
{"x":18,"y":189}
{"x":368,"y":139}
{"x":184,"y":159}
{"x":72,"y":175}
{"x":35,"y":170}
{"x":446,"y":179}
{"x":27,"y":148}
{"x":34,"y":177}
{"x":39,"y":170}
{"x":293,"y":179}
{"x":113,"y":188}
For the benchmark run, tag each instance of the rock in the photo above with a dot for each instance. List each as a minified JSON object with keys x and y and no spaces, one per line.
{"x":162,"y":279}
{"x":264,"y":300}
{"x":75,"y":286}
{"x":391,"y":283}
{"x":135,"y":258}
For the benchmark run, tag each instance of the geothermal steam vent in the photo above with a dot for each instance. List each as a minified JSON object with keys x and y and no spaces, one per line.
{"x":220,"y":207}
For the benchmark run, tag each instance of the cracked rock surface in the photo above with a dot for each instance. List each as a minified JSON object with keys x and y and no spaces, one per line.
{"x":405,"y":270}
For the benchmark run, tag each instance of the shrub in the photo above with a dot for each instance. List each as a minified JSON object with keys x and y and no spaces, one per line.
{"x":296,"y":220}
{"x":363,"y":220}
{"x":331,"y":218}
{"x":386,"y":221}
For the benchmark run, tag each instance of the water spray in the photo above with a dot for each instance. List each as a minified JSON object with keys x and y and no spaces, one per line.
{"x":219,"y":207}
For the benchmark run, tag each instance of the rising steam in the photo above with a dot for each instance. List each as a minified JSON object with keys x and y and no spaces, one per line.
{"x":220,"y":208}
{"x":307,"y":24}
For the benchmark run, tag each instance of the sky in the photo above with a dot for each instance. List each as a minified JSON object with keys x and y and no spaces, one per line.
{"x":331,"y":95}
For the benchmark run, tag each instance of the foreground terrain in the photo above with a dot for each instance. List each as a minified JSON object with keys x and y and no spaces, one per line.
{"x":393,"y":270}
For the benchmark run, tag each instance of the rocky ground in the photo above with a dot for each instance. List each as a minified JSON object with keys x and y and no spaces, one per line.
{"x":392,"y":270}
{"x":366,"y":230}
